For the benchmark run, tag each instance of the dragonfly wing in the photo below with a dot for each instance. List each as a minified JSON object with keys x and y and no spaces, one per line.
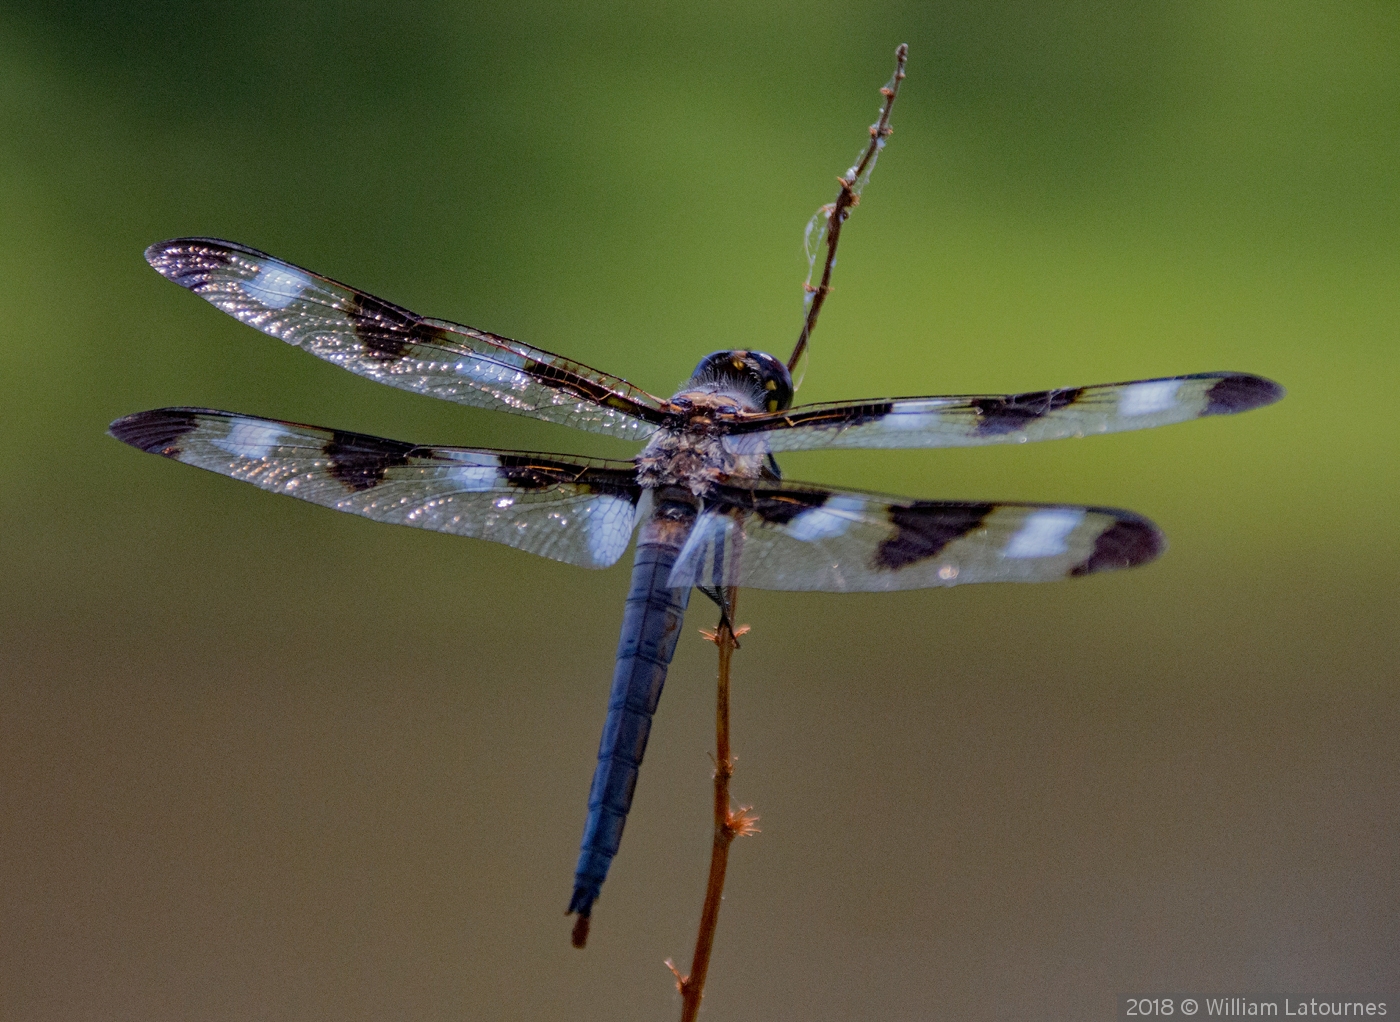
{"x":999,"y":419}
{"x":384,"y":342}
{"x":804,"y":537}
{"x":573,"y":510}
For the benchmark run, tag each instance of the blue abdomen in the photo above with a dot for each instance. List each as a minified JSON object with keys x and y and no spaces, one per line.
{"x":651,"y":624}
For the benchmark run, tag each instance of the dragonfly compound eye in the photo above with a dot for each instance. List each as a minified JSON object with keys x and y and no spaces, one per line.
{"x":760,"y":377}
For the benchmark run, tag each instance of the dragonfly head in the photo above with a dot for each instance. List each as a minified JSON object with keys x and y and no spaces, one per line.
{"x":759,"y":380}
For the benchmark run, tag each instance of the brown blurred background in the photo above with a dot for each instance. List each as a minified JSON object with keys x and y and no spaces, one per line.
{"x":258,"y":760}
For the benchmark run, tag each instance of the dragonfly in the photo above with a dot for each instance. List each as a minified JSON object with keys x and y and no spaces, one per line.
{"x":704,"y":496}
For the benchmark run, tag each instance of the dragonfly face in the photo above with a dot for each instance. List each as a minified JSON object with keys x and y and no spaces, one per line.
{"x":703,"y":497}
{"x":753,"y":381}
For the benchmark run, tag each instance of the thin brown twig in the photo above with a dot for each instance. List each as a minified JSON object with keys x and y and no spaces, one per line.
{"x":729,"y":823}
{"x":846,"y":199}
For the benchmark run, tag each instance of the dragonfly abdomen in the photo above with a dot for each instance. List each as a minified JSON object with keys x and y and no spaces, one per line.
{"x":651,"y":624}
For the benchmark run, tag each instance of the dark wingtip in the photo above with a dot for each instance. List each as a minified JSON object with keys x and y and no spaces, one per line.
{"x":186,"y":261}
{"x":1128,"y":542}
{"x":157,"y":431}
{"x":174,"y":259}
{"x":158,"y":255}
{"x":580,"y":935}
{"x":1241,"y":392}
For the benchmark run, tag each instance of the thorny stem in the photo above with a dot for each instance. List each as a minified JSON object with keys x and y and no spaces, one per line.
{"x":846,"y":199}
{"x":729,"y":823}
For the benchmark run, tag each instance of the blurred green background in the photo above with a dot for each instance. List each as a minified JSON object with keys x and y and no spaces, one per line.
{"x":258,"y":760}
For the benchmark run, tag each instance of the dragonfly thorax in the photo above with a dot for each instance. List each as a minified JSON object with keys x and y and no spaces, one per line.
{"x":692,"y":459}
{"x":691,"y":454}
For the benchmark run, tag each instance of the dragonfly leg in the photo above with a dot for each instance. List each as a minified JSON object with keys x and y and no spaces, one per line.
{"x":717,"y":596}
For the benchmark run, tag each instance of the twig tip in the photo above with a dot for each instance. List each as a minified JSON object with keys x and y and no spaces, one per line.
{"x":851,"y":183}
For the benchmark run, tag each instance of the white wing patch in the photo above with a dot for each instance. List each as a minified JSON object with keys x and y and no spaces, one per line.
{"x":1044,"y":533}
{"x":707,"y":551}
{"x":830,"y":520}
{"x":1148,"y":398}
{"x":489,"y":372}
{"x":475,"y":478}
{"x":910,"y":416}
{"x":277,"y":285}
{"x":607,"y":525}
{"x":251,"y":438}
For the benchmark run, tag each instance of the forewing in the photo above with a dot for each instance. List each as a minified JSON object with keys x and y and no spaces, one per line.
{"x":571,"y":510}
{"x":804,"y":537}
{"x":1001,"y":419}
{"x":384,"y":342}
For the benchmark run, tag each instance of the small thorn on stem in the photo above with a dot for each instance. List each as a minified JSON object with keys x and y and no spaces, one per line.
{"x":713,"y":635}
{"x":728,"y":769}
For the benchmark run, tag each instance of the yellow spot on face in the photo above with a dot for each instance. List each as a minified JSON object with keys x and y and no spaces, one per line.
{"x":772,"y":404}
{"x":771,"y":385}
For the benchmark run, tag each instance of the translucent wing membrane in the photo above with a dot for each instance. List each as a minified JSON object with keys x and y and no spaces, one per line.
{"x":799,"y":536}
{"x":1009,"y":418}
{"x":381,"y":341}
{"x":572,"y":510}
